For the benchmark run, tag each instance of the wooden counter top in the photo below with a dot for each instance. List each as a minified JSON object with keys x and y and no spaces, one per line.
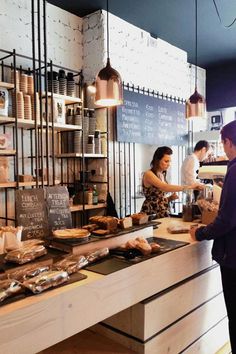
{"x":37,"y":322}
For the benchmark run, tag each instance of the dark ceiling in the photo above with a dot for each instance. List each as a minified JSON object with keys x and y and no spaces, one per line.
{"x":173,"y":21}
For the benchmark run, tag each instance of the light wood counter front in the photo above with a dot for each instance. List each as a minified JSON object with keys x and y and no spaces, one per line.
{"x":35,"y":323}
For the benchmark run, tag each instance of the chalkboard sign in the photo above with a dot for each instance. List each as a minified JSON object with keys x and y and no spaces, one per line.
{"x":59,"y":214}
{"x":150,"y":120}
{"x":31,"y":213}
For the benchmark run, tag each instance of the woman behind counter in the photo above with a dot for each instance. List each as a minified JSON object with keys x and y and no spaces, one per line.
{"x":155,"y":185}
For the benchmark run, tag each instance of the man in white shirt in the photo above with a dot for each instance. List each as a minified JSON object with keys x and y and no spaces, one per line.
{"x":191,"y":163}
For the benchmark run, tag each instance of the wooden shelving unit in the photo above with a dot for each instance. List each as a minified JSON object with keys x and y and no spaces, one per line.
{"x":7,"y":152}
{"x":79,"y":207}
{"x":80,"y":155}
{"x":7,"y":85}
{"x":30,"y":124}
{"x":23,"y":184}
{"x":68,"y":99}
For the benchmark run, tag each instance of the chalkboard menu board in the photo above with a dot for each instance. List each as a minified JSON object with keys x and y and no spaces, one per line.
{"x":150,"y":120}
{"x":31,"y":213}
{"x":59,"y":214}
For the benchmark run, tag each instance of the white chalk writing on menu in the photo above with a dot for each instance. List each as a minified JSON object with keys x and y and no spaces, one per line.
{"x":31,"y":213}
{"x":59,"y":214}
{"x":150,"y":120}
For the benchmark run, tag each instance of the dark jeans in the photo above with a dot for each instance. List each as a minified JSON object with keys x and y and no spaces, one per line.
{"x":228,"y":277}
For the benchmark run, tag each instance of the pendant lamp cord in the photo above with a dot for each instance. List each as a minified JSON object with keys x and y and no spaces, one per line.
{"x":108,"y":49}
{"x":221,"y":22}
{"x":196,"y":44}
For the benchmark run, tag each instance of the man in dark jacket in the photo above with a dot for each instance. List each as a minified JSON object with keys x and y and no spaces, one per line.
{"x":223,"y":231}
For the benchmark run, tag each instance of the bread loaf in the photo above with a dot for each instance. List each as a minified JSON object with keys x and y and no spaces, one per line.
{"x":126,"y":222}
{"x":139,"y":218}
{"x":105,"y":222}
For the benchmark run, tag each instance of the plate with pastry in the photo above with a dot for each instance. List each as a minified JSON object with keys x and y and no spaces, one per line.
{"x":72,"y":234}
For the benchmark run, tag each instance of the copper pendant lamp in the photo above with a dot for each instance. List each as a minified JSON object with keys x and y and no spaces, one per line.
{"x":196,"y":104}
{"x":109,"y":91}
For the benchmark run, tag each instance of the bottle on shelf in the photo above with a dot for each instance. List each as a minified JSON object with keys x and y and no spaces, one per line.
{"x":90,"y":196}
{"x":95,"y":195}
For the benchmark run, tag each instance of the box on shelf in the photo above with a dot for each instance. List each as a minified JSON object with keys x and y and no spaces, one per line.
{"x":59,"y":111}
{"x":208,"y":216}
{"x":3,"y":101}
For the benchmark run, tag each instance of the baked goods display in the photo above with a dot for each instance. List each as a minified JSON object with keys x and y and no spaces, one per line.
{"x":177,"y":228}
{"x":71,"y":263}
{"x":141,"y":244}
{"x":139,"y":218}
{"x":126,"y":222}
{"x":90,"y":227}
{"x":96,"y":255}
{"x":26,"y":254}
{"x":9,"y":288}
{"x":28,"y":272}
{"x":71,"y":233}
{"x":105,"y":222}
{"x":101,"y":232}
{"x":46,"y":280}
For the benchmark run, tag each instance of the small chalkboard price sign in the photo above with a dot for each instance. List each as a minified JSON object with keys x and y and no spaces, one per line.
{"x":31,"y":213}
{"x":151,"y":120}
{"x":59,"y":214}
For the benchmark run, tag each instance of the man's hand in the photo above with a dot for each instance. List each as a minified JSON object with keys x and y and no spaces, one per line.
{"x":192,"y":232}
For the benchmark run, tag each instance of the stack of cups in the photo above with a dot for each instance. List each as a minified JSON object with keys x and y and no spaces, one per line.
{"x":24,"y":83}
{"x":62,"y":82}
{"x":70,"y":135}
{"x":78,"y":116}
{"x":90,"y":145}
{"x":30,"y":85}
{"x":92,"y":121}
{"x":78,"y":133}
{"x":70,"y":85}
{"x":85,"y":128}
{"x":35,"y":114}
{"x":78,"y":141}
{"x":17,"y":79}
{"x":20,"y":105}
{"x":27,"y":107}
{"x":98,"y":144}
{"x":53,"y":83}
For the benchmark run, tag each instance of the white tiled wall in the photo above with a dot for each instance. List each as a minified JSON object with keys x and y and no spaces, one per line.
{"x":140,"y":59}
{"x":64,"y":32}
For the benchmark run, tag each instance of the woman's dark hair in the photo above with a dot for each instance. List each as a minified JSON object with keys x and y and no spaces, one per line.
{"x":229,"y":132}
{"x":158,"y":155}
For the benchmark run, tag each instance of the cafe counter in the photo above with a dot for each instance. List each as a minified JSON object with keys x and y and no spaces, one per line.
{"x":165,"y":304}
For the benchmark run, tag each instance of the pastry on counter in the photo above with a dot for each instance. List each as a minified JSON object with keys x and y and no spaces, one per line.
{"x":126,"y":222}
{"x":105,"y":222}
{"x":139,"y":218}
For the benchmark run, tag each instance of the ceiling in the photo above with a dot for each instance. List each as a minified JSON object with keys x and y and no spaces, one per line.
{"x":173,"y":21}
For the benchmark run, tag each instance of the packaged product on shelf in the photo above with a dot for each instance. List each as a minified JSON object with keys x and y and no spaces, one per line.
{"x":59,"y":111}
{"x":4,"y":169}
{"x":3,"y":101}
{"x":26,"y":253}
{"x":10,"y":238}
{"x":46,"y":280}
{"x":71,"y":263}
{"x":9,"y":288}
{"x":5,"y":141}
